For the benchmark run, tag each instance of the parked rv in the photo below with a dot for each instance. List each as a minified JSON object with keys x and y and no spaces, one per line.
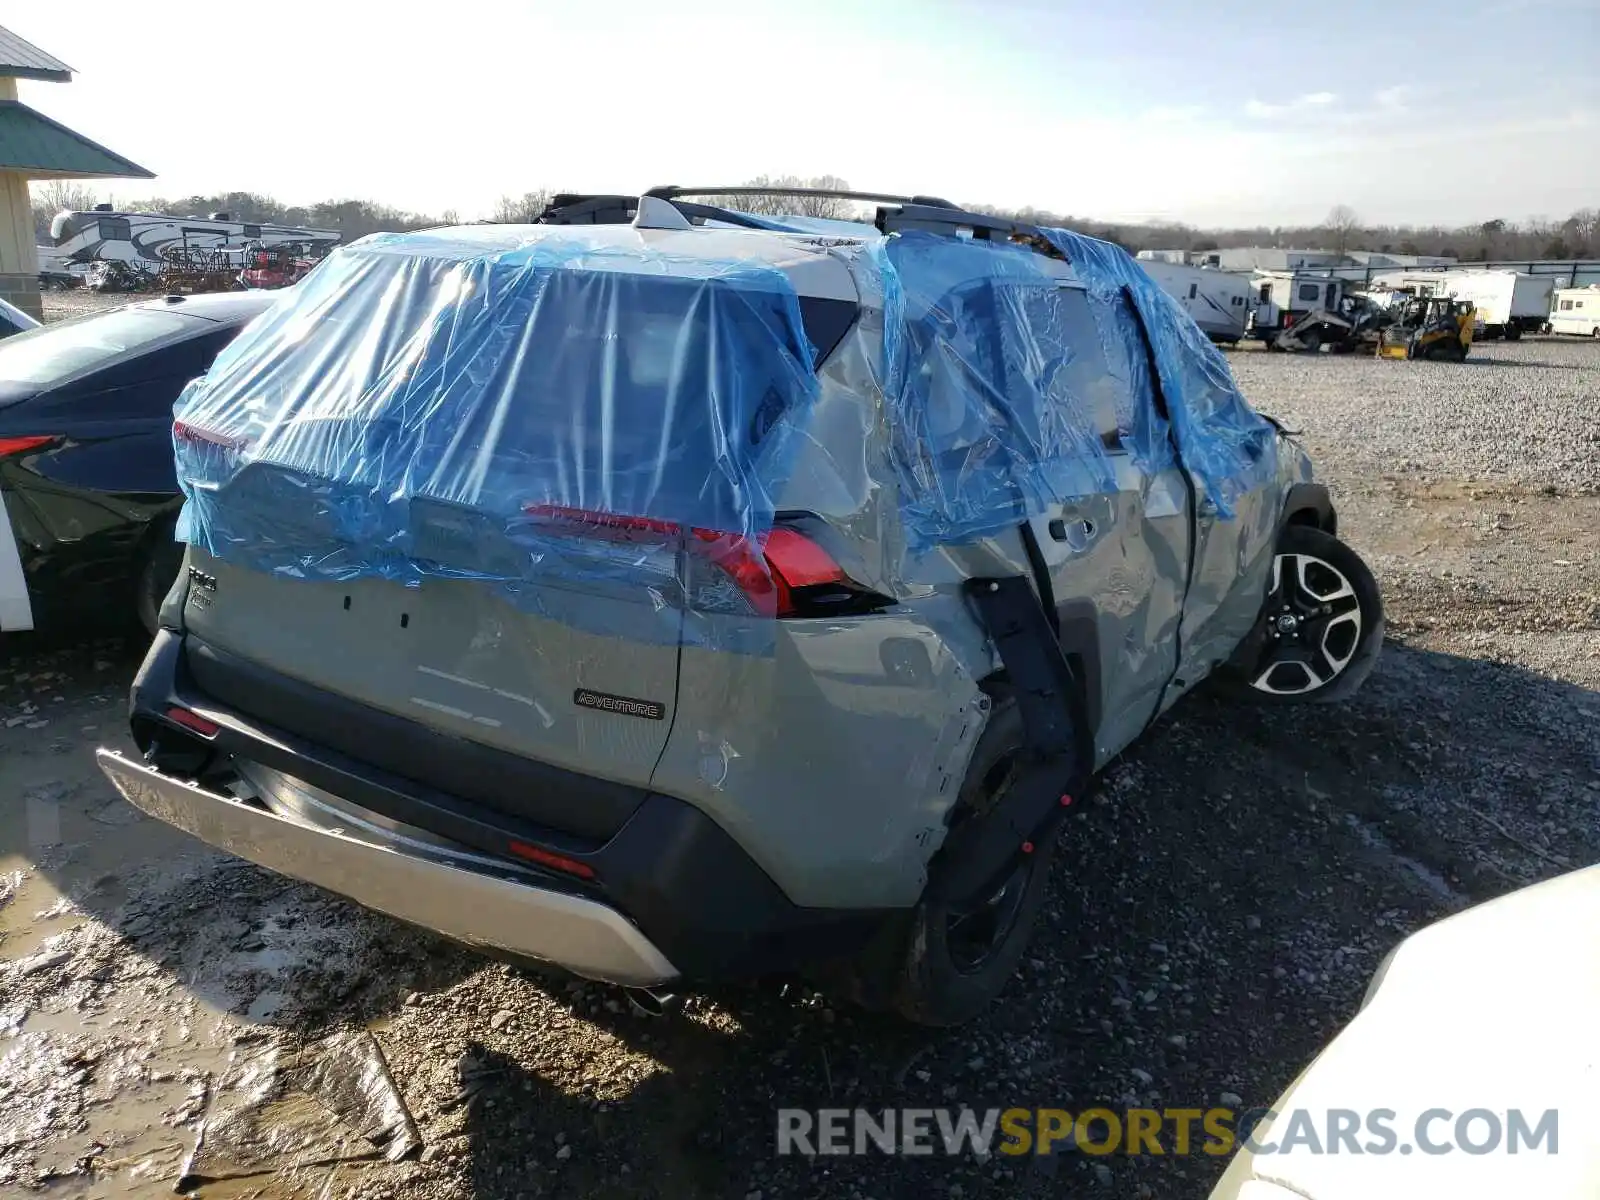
{"x":1218,"y":301}
{"x":55,"y":272}
{"x":1576,"y":311}
{"x":1283,"y":297}
{"x":147,"y":240}
{"x":1509,"y":303}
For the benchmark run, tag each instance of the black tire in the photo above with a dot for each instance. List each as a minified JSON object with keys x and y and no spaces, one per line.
{"x":1513,"y":333}
{"x":1312,"y":342}
{"x":158,"y":569}
{"x":935,"y":978}
{"x":1330,"y":595}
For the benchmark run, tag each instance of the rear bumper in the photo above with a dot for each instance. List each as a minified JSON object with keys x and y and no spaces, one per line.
{"x":669,"y":873}
{"x":463,"y":899}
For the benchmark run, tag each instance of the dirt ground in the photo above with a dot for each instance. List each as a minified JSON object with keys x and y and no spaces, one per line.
{"x":1215,"y":916}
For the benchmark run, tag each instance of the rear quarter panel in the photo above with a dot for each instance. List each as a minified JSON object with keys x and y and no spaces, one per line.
{"x":830,"y":749}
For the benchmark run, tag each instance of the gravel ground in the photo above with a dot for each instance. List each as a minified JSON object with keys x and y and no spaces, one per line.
{"x":1215,"y":914}
{"x":58,"y":306}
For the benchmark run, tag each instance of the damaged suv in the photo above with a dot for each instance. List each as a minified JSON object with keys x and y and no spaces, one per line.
{"x":668,"y":593}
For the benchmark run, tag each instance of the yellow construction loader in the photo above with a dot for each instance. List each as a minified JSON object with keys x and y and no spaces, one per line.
{"x":1437,"y":327}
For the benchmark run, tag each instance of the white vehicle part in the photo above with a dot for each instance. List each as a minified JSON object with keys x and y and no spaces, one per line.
{"x":16,"y":611}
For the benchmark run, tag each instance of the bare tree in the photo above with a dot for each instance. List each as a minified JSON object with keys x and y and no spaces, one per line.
{"x":1343,"y":224}
{"x":777,"y":205}
{"x":57,"y":195}
{"x":521,"y":210}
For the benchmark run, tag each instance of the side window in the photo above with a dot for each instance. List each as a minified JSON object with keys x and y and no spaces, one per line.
{"x":252,"y":231}
{"x":1266,"y":293}
{"x":115,"y":229}
{"x":1309,"y":292}
{"x":1194,"y":290}
{"x":1331,"y":289}
{"x":1566,"y":305}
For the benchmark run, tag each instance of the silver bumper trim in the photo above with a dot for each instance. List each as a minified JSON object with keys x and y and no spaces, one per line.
{"x":403,"y":881}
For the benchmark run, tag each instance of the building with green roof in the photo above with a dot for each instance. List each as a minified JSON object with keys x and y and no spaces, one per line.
{"x":32,"y":146}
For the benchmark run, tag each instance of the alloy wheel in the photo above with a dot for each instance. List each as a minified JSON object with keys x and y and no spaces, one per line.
{"x":1313,"y":620}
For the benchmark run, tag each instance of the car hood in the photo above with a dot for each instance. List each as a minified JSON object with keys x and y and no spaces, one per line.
{"x":1494,"y":1008}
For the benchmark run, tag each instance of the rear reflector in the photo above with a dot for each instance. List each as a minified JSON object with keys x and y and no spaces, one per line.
{"x":548,"y":858}
{"x":193,"y":722}
{"x":21,"y":445}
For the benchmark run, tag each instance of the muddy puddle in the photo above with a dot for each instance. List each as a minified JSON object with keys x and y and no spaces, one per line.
{"x":152,"y":990}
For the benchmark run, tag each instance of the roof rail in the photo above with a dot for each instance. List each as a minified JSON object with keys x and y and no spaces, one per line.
{"x":571,"y":208}
{"x":673,"y":192}
{"x":896,"y":214}
{"x":933,"y":219}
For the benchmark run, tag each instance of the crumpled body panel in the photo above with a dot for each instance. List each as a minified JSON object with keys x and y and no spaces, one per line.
{"x":996,"y":412}
{"x":503,"y":404}
{"x":1226,"y":445}
{"x":989,"y":420}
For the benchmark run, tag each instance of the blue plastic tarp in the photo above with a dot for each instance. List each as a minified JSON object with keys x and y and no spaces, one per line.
{"x":1226,"y":445}
{"x":1001,"y":383}
{"x":987,"y":390}
{"x":502,"y":403}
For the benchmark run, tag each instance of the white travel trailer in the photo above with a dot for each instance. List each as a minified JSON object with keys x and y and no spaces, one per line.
{"x":1509,"y":303}
{"x":1282,"y":297}
{"x":1218,"y":302}
{"x":1576,"y":311}
{"x":140,"y":239}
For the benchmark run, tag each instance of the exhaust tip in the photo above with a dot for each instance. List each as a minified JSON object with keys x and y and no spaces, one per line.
{"x":652,"y":1002}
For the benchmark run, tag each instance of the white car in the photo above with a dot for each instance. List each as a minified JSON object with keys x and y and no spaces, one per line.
{"x":14,"y":320}
{"x":1473,"y":1033}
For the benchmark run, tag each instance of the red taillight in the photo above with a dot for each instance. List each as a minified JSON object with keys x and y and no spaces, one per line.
{"x":548,"y":858}
{"x":185,"y":432}
{"x":595,"y":523}
{"x":743,"y":563}
{"x":766,"y":569}
{"x":800,"y":561}
{"x":21,"y":445}
{"x":193,"y":722}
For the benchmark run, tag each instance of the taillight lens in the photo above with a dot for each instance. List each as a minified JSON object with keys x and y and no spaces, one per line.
{"x":604,"y":525}
{"x":185,"y":432}
{"x":767,"y":569}
{"x":21,"y":445}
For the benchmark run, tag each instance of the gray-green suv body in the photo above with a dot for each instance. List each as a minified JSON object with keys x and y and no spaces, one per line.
{"x":666,"y":593}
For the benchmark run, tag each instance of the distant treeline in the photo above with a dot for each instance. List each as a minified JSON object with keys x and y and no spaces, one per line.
{"x":1577,"y":236}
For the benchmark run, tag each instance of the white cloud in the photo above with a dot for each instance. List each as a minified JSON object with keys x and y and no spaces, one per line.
{"x":1311,"y":100}
{"x":1173,"y":114}
{"x":1393,"y":99}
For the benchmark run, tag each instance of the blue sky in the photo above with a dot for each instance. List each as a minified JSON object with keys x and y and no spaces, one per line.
{"x":1205,"y":113}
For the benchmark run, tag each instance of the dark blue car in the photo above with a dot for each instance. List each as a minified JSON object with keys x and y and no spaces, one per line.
{"x":86,"y":475}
